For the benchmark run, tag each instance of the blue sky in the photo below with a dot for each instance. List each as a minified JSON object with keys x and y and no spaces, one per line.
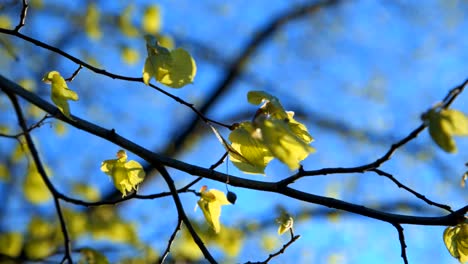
{"x":359,"y":75}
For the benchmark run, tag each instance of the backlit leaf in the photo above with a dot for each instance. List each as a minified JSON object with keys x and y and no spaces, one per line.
{"x":444,"y":124}
{"x":60,"y":93}
{"x":283,"y":143}
{"x":456,"y":241}
{"x":210,"y":203}
{"x":285,"y":222}
{"x":175,"y":68}
{"x":125,"y":175}
{"x":250,"y":155}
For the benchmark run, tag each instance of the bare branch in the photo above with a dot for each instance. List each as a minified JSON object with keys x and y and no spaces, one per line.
{"x":169,"y":243}
{"x":281,"y":251}
{"x":45,"y":178}
{"x":72,"y":77}
{"x":24,"y":12}
{"x":420,"y":196}
{"x":277,"y":187}
{"x":401,"y":237}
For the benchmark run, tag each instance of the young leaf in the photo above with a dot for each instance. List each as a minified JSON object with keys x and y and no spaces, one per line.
{"x":60,"y":92}
{"x":283,"y":143}
{"x":456,"y":241}
{"x":125,"y":175}
{"x":271,"y":106}
{"x":210,"y":203}
{"x":285,"y":222}
{"x":175,"y":68}
{"x":445,"y":124}
{"x":250,"y":154}
{"x":34,"y":188}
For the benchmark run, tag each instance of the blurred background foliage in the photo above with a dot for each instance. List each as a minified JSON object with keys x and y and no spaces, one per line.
{"x":358,"y":73}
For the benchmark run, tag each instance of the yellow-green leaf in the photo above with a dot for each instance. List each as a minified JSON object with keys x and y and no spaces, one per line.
{"x":5,"y":22}
{"x":444,"y":124}
{"x":283,"y":143}
{"x":125,"y":175}
{"x":91,"y":256}
{"x":250,"y":155}
{"x":60,"y":93}
{"x":456,"y":241}
{"x":210,"y":203}
{"x":285,"y":222}
{"x":271,"y":106}
{"x":12,"y":243}
{"x":175,"y":68}
{"x":152,"y":20}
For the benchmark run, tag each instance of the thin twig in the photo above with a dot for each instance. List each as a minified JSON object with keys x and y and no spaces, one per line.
{"x":447,"y":101}
{"x":32,"y":148}
{"x":420,"y":196}
{"x":401,"y":237}
{"x":75,"y":73}
{"x":281,"y":251}
{"x":171,"y":240}
{"x":276,"y":187}
{"x":24,"y":12}
{"x":109,"y":74}
{"x":36,"y":125}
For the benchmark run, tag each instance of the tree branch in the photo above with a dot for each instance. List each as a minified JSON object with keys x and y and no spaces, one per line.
{"x":401,"y":238}
{"x":169,"y":243}
{"x":278,"y":187}
{"x":45,"y":178}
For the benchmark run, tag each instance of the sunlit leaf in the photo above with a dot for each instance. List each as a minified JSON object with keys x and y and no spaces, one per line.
{"x":285,"y":222}
{"x":92,"y":28}
{"x":34,"y":188}
{"x":60,"y":93}
{"x":175,"y":68}
{"x":91,"y":256}
{"x":125,"y":175}
{"x":253,"y":155}
{"x":28,"y":84}
{"x":456,"y":241}
{"x":210,"y":203}
{"x":283,"y":143}
{"x":166,"y":41}
{"x":12,"y":243}
{"x":444,"y":124}
{"x":152,"y":19}
{"x":271,"y":104}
